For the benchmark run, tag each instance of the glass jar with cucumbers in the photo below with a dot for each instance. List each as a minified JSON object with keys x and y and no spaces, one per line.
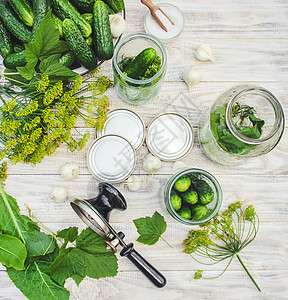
{"x":139,"y":67}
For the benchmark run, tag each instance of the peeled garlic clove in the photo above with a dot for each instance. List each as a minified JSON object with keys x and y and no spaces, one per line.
{"x":204,"y":53}
{"x":69,"y":171}
{"x":59,"y":194}
{"x":151,"y":163}
{"x":117,"y":24}
{"x":178,"y":166}
{"x":191,"y":77}
{"x":134,"y":183}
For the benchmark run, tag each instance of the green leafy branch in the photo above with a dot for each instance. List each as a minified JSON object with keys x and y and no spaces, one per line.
{"x":224,"y":237}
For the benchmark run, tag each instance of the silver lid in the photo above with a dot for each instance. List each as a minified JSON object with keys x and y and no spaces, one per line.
{"x":111,"y":158}
{"x":170,"y":136}
{"x":126,"y":123}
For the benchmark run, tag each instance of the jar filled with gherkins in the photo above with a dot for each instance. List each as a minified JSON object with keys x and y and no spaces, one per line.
{"x":139,"y":67}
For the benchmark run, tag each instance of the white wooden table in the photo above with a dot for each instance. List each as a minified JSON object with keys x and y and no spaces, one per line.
{"x":250,"y":41}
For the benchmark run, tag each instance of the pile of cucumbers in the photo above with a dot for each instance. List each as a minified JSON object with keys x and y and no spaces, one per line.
{"x":83,"y":24}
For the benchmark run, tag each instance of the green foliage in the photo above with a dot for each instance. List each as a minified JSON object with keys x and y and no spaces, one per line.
{"x":34,"y":283}
{"x":176,"y":201}
{"x":241,"y":114}
{"x":89,"y":257}
{"x":34,"y":261}
{"x":150,"y":229}
{"x":182,"y":184}
{"x":224,"y":236}
{"x":12,"y":252}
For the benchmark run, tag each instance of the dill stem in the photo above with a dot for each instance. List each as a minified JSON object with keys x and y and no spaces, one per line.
{"x":166,"y":241}
{"x":251,"y":277}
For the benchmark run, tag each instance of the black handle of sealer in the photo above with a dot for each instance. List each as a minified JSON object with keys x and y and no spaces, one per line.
{"x":143,"y":265}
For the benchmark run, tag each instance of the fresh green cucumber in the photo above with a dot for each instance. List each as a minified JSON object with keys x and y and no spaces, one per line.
{"x":67,"y":59}
{"x":89,"y":41}
{"x":140,"y":63}
{"x":18,"y":48}
{"x":116,"y":5}
{"x":40,"y":10}
{"x":84,"y":5}
{"x":13,"y":60}
{"x":23,"y":10}
{"x":102,"y":31}
{"x":88,"y":17}
{"x":65,"y":10}
{"x":13,"y":24}
{"x":5,"y":41}
{"x":59,"y":24}
{"x":84,"y":54}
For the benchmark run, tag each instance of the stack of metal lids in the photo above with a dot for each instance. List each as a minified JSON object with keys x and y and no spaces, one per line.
{"x":112,"y":156}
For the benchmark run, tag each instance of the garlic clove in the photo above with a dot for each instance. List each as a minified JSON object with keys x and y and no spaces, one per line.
{"x":134,"y":183}
{"x":204,"y":53}
{"x":69,"y":171}
{"x":59,"y":194}
{"x":191,"y":77}
{"x":117,"y":25}
{"x":151,"y":163}
{"x":178,"y":166}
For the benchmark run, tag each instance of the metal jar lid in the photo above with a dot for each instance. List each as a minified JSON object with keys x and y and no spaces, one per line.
{"x":126,"y":123}
{"x":111,"y":158}
{"x":170,"y":136}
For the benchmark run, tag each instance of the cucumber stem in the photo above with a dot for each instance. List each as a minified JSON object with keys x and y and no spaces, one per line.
{"x":251,"y":277}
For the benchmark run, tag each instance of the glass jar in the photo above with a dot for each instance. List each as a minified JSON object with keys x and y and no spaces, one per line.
{"x":246,"y":121}
{"x":212,"y":208}
{"x":138,"y":91}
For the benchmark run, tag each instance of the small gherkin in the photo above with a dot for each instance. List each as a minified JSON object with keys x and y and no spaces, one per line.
{"x":190,"y":197}
{"x":182,"y":184}
{"x":176,"y":201}
{"x":199,"y":212}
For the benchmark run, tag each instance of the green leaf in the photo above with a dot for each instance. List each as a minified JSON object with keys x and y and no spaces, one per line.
{"x":70,"y":261}
{"x":150,"y":229}
{"x":52,"y":59}
{"x":70,"y":234}
{"x":12,"y":223}
{"x":46,"y":40}
{"x":27,"y":71}
{"x":35,"y":284}
{"x":12,"y":252}
{"x":89,"y":258}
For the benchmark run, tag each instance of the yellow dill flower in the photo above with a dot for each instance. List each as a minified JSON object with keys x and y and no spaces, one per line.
{"x":72,"y":145}
{"x":55,"y":133}
{"x":9,"y":127}
{"x":3,"y":172}
{"x":53,"y":93}
{"x":3,"y":153}
{"x":36,"y":134}
{"x":43,"y":84}
{"x":82,"y":142}
{"x":66,"y":96}
{"x":70,"y":121}
{"x":90,"y":107}
{"x":77,"y":84}
{"x":90,"y":121}
{"x":32,"y":124}
{"x":60,"y":110}
{"x":23,"y":138}
{"x":28,"y":148}
{"x":10,"y":144}
{"x":52,"y":147}
{"x":9,"y":105}
{"x":29,"y":109}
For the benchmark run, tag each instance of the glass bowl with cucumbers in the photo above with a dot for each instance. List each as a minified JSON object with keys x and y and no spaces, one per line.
{"x":139,"y":67}
{"x":193,"y":196}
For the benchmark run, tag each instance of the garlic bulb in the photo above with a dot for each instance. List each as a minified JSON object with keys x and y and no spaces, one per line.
{"x":151,"y":163}
{"x":59,"y":194}
{"x":178,"y":166}
{"x":117,"y":24}
{"x":134,"y":183}
{"x":69,"y":171}
{"x":204,"y":53}
{"x":191,"y":77}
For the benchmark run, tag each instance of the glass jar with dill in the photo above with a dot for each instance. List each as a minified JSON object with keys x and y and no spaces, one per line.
{"x":246,"y":121}
{"x":139,"y":66}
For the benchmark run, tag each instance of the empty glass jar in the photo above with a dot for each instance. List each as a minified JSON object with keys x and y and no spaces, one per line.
{"x":246,"y":121}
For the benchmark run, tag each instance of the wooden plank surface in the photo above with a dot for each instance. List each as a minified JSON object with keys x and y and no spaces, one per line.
{"x":250,"y":43}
